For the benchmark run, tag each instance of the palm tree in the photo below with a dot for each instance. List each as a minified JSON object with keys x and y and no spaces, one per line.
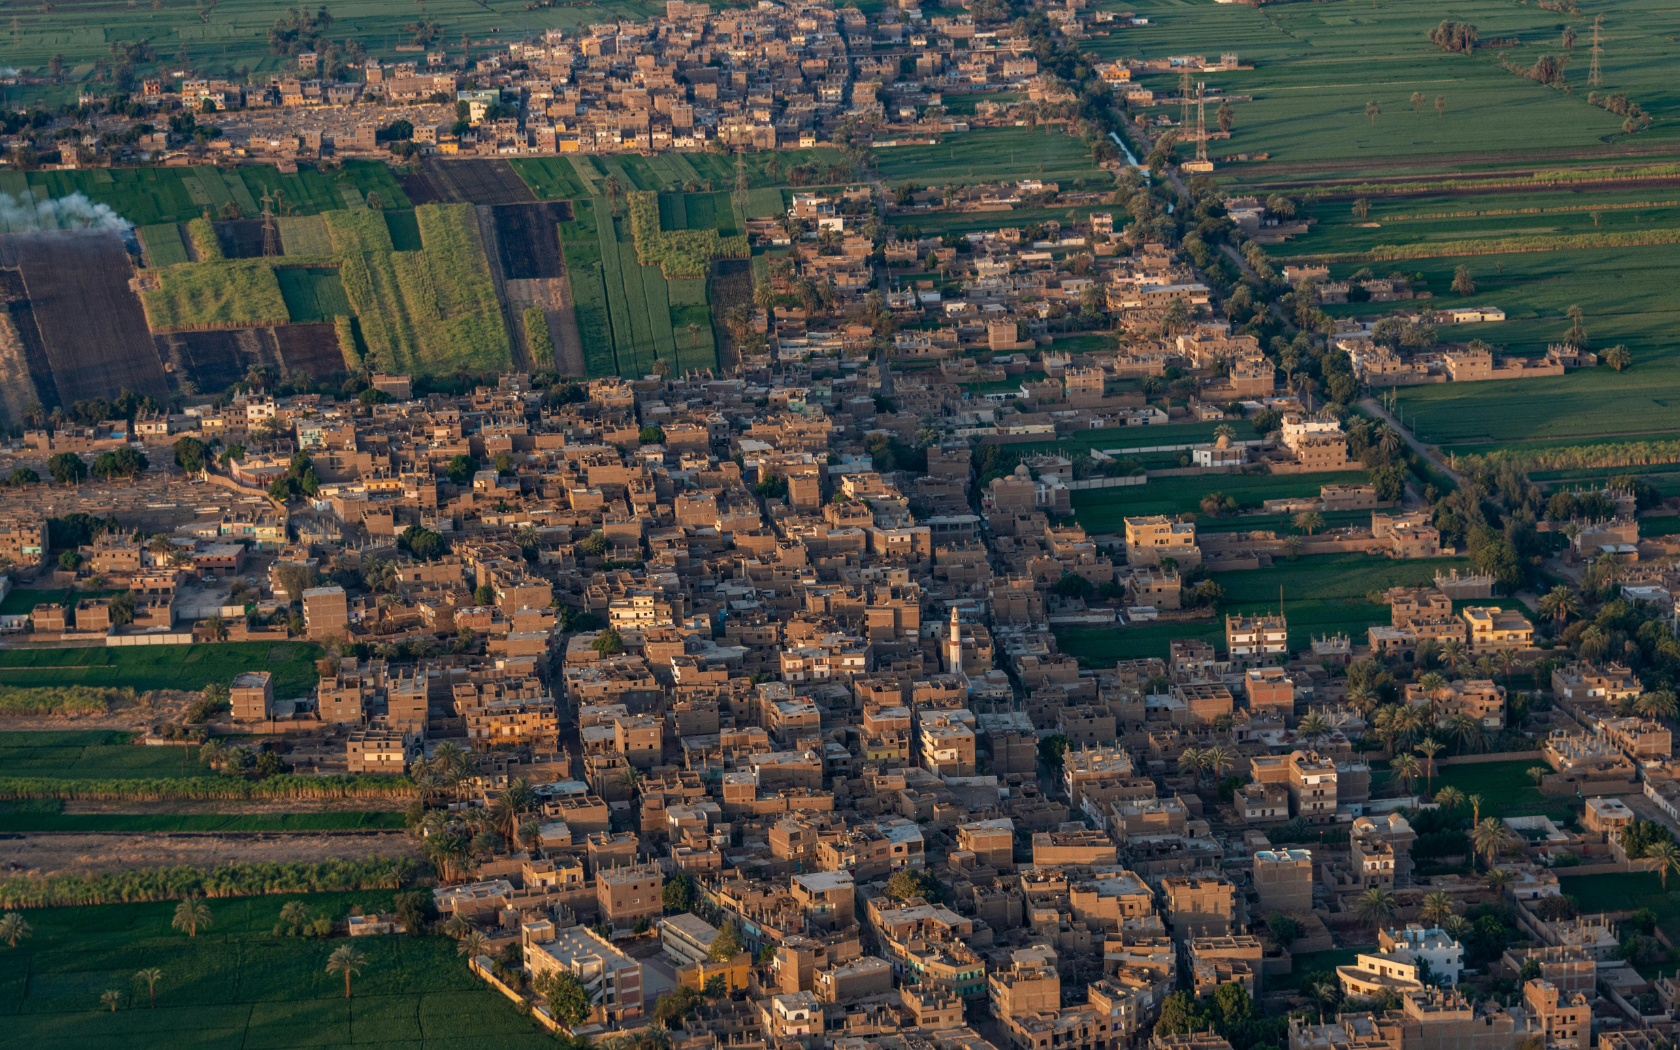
{"x":1429,"y":748}
{"x":348,"y":961}
{"x":1577,"y":331}
{"x":1449,"y":797}
{"x":1190,"y":761}
{"x":111,"y":998}
{"x":1538,"y":773}
{"x":1417,"y":104}
{"x":1468,"y":732}
{"x":1452,"y":651}
{"x":458,"y":926}
{"x":191,"y":915}
{"x":1458,"y":927}
{"x":473,"y":945}
{"x":1363,"y":698}
{"x":1372,"y":110}
{"x":294,"y":914}
{"x":1658,"y":703}
{"x":1376,"y":905}
{"x":1218,"y":759}
{"x":1507,"y":657}
{"x":1667,"y":856}
{"x":151,"y":976}
{"x":1429,"y":685}
{"x":1436,"y":908}
{"x":1498,"y":879}
{"x":1405,"y":767}
{"x":13,"y":928}
{"x":1560,"y":604}
{"x":1309,"y":521}
{"x":1489,"y":837}
{"x":1314,"y":729}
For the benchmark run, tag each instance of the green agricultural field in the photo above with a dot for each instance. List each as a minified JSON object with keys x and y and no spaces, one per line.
{"x":239,"y":984}
{"x":1626,"y":891}
{"x":1103,"y":510}
{"x":312,"y":294}
{"x":1317,"y":66}
{"x":24,"y":599}
{"x":94,"y":755}
{"x":580,"y":243}
{"x":433,"y":310}
{"x":1505,"y":787}
{"x":1321,"y":594}
{"x":46,"y":815}
{"x":150,"y":196}
{"x":645,"y":317}
{"x":223,"y":293}
{"x":405,"y":231}
{"x":1533,"y":214}
{"x":143,"y":667}
{"x":235,"y":34}
{"x":993,"y":154}
{"x":304,"y":235}
{"x":550,"y":178}
{"x":164,"y":246}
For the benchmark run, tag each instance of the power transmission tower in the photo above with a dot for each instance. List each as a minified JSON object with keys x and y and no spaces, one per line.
{"x":1593,"y":76}
{"x":1201,"y":123}
{"x":1184,"y":99}
{"x":270,"y":234}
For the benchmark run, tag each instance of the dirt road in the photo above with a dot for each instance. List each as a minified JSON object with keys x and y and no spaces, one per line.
{"x":90,"y":854}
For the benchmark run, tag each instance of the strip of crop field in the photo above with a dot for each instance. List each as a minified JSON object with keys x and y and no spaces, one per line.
{"x":1501,"y":246}
{"x":1535,"y":180}
{"x":612,"y":273}
{"x":659,"y":316}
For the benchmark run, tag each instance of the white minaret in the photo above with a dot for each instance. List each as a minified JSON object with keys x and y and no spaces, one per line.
{"x":953,"y":651}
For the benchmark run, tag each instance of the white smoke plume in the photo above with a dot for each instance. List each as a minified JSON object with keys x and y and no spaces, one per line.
{"x":8,"y":72}
{"x":75,"y":212}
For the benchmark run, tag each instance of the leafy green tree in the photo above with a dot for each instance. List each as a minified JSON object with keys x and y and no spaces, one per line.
{"x":67,"y":468}
{"x":461,"y":469}
{"x":608,"y":643}
{"x":567,"y":1000}
{"x":726,"y":945}
{"x":906,"y":884}
{"x":189,"y":454}
{"x":651,"y":435}
{"x":678,"y":895}
{"x":1052,"y":748}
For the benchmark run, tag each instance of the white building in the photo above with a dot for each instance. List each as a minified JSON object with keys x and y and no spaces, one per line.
{"x":1434,"y":945}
